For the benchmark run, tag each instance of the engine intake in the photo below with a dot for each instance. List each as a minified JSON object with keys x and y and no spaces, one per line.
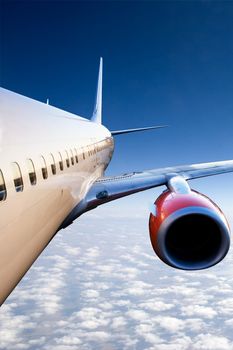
{"x":188,"y":231}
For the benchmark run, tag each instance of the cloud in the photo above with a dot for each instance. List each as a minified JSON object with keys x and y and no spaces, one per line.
{"x":138,"y":315}
{"x":75,"y":251}
{"x":98,"y":289}
{"x":156,"y":305}
{"x":170,"y":324}
{"x":99,"y":336}
{"x":198,"y":310}
{"x":226,"y":306}
{"x":212,"y":342}
{"x":178,"y":343}
{"x":67,"y":340}
{"x":138,"y":288}
{"x":90,"y":293}
{"x":118,"y":322}
{"x":12,"y":328}
{"x":145,"y":332}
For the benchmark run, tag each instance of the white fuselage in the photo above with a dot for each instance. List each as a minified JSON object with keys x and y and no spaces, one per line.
{"x":68,"y":153}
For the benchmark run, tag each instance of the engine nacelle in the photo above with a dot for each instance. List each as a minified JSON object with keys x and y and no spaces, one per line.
{"x":188,"y":231}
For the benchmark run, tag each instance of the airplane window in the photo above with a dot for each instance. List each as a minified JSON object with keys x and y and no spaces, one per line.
{"x":72,"y":157}
{"x":31,"y":172}
{"x":53,"y":165}
{"x":61,"y":162}
{"x":76,"y":155}
{"x":44,"y":168}
{"x":67,"y":160}
{"x":2,"y":187}
{"x":17,"y":176}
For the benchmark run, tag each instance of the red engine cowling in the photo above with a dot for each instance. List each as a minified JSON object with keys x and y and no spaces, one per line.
{"x":188,"y":231}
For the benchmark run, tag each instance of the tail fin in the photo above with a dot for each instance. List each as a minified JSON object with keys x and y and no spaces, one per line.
{"x":97,"y":113}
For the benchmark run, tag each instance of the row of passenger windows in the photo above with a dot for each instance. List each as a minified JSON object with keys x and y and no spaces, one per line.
{"x":69,"y":160}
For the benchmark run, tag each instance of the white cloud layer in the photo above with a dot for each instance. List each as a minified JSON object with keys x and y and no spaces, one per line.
{"x":98,"y":285}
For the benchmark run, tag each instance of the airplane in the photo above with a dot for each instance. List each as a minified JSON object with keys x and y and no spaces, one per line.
{"x":52,"y":169}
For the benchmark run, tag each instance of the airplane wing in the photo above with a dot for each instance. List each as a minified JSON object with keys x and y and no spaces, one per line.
{"x":107,"y":189}
{"x":110,"y":188}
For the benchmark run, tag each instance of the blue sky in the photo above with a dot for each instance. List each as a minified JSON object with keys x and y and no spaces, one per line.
{"x":164,"y":63}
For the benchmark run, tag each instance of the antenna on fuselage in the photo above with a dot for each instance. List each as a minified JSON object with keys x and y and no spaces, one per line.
{"x":47,"y":101}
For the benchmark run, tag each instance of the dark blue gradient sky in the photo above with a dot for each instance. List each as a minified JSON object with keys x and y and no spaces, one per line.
{"x":164,"y":63}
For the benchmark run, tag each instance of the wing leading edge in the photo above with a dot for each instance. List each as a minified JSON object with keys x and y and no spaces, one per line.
{"x":107,"y":189}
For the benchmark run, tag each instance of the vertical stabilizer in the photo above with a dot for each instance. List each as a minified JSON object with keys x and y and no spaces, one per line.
{"x":97,"y":113}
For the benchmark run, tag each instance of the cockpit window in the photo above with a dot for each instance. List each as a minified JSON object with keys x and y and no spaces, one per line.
{"x":2,"y":187}
{"x":17,"y":176}
{"x":31,"y":171}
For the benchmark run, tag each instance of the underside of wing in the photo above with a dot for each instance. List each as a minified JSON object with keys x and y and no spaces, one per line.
{"x":110,"y":188}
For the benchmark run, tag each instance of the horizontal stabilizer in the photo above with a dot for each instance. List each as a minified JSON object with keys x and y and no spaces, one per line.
{"x":127,"y":131}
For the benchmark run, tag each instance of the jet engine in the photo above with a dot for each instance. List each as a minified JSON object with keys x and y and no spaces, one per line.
{"x":188,"y":230}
